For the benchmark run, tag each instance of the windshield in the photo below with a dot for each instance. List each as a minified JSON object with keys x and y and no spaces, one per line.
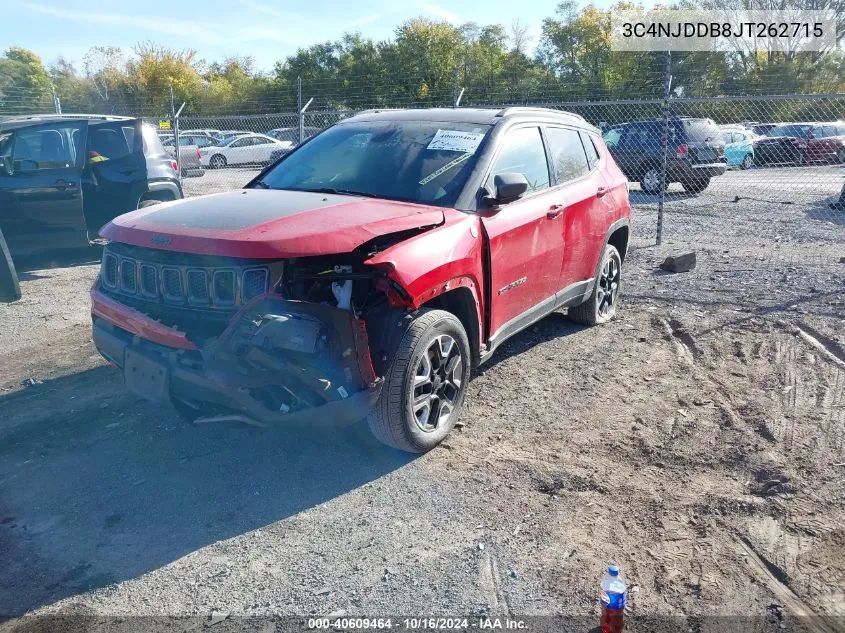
{"x":789,"y":130}
{"x":418,"y":161}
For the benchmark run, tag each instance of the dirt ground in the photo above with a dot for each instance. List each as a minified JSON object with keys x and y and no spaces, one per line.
{"x":698,"y":441}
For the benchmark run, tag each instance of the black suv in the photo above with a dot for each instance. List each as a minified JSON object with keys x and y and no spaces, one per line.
{"x":696,"y":152}
{"x":63,"y":177}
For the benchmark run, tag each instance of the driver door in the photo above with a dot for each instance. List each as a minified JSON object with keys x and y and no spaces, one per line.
{"x":526,"y":239}
{"x":41,"y":189}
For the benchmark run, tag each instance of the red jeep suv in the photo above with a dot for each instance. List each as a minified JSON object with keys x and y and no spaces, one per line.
{"x":366,"y":272}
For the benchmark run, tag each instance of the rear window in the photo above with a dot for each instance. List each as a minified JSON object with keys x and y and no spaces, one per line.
{"x":701,"y":130}
{"x":789,"y":130}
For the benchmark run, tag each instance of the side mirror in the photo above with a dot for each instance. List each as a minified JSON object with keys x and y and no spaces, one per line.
{"x":811,"y":136}
{"x":509,"y":187}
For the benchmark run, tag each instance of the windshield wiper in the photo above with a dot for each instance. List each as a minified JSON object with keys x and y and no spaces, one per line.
{"x":342,"y":192}
{"x":260,"y":184}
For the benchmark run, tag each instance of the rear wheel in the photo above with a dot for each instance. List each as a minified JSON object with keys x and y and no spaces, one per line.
{"x":696,"y":186}
{"x":800,"y":158}
{"x":217,"y":162}
{"x":747,"y":161}
{"x":601,"y":306}
{"x":651,"y":181}
{"x":840,"y":156}
{"x":425,"y":386}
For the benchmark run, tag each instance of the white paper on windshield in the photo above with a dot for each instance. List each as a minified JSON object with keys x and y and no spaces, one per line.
{"x":456,"y":141}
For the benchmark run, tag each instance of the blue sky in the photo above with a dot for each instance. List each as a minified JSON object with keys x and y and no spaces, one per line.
{"x":264,"y":29}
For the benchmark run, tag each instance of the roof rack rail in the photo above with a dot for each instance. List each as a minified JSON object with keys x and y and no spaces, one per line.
{"x":38,"y":117}
{"x":513,"y":109}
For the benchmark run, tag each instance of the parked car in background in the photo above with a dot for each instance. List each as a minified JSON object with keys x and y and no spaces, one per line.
{"x":189,"y":154}
{"x":739,"y":145}
{"x":760,"y":129}
{"x":213,"y":133}
{"x":247,"y":149}
{"x":827,"y":143}
{"x":63,"y":177}
{"x":291,"y":134}
{"x":696,"y":152}
{"x":368,"y":272}
{"x":800,"y":143}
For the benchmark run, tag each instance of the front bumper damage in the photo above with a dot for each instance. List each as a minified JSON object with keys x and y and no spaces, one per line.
{"x":277,"y":361}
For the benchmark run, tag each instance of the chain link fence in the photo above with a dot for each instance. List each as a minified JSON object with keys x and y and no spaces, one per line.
{"x":775,"y":195}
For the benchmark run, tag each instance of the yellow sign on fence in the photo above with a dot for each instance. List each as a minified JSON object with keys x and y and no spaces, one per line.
{"x":164,"y":125}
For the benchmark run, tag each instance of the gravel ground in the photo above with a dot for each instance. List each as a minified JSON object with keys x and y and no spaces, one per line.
{"x":697,"y":441}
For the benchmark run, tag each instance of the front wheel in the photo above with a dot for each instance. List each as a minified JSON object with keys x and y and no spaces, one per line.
{"x":217,"y":162}
{"x":800,"y":159}
{"x":425,"y":386}
{"x":840,"y":156}
{"x":601,"y":306}
{"x":747,"y":161}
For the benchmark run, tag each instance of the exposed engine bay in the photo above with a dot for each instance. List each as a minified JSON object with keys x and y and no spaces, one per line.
{"x":318,"y":336}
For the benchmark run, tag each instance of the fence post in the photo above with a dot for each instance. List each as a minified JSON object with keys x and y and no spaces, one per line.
{"x":455,"y":86}
{"x":10,"y":289}
{"x":174,"y":117}
{"x":300,"y":115}
{"x":57,"y":104}
{"x":664,"y":143}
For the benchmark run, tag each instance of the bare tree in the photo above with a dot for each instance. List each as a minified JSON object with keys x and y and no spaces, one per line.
{"x":520,"y":39}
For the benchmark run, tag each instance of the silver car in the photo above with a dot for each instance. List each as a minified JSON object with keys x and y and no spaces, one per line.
{"x":189,"y":155}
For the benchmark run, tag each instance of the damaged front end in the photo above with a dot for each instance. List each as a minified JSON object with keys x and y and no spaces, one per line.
{"x":309,"y":349}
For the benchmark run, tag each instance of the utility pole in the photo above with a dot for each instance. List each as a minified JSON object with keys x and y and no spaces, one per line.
{"x":664,"y":142}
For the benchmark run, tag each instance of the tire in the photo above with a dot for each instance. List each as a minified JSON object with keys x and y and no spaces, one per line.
{"x":747,"y":162}
{"x":840,"y":156}
{"x":601,"y":306}
{"x":800,"y":158}
{"x":217,"y":161}
{"x":148,"y":203}
{"x":433,"y":356}
{"x":696,"y":186}
{"x":651,"y":181}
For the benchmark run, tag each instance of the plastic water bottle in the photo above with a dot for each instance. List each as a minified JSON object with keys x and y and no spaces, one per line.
{"x":614,"y":591}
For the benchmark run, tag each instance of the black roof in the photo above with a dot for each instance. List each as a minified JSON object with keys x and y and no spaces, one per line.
{"x":16,"y":122}
{"x":480,"y":116}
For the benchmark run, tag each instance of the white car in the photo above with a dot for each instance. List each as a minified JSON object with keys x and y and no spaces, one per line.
{"x":249,"y":149}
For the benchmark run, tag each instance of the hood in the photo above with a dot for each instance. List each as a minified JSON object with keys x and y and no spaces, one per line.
{"x":266,"y":224}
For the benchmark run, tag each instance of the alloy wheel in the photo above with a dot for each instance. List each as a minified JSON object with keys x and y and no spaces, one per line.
{"x":651,"y":180}
{"x":608,"y":287}
{"x":437,"y":383}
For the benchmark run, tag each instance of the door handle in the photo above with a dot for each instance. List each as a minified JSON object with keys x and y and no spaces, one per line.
{"x":64,"y":184}
{"x":601,"y":192}
{"x":555,"y":210}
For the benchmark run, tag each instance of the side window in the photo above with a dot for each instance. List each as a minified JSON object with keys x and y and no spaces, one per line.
{"x":261,"y":141}
{"x":5,"y":144}
{"x":110,"y":142}
{"x":523,"y":153}
{"x":590,"y":147}
{"x":45,"y":147}
{"x":241,"y":142}
{"x":818,"y":132}
{"x":829,"y":130}
{"x":568,"y":158}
